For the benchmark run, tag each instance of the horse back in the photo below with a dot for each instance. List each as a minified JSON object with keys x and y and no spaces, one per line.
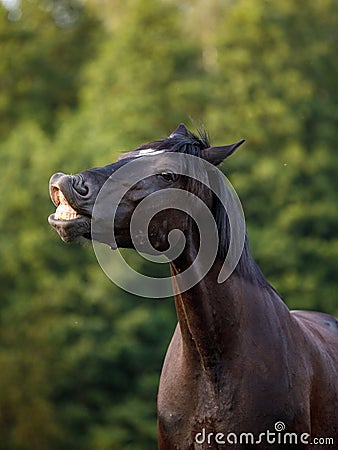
{"x":324,"y":321}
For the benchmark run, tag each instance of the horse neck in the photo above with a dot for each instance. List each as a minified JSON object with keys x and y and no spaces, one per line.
{"x":214,"y":318}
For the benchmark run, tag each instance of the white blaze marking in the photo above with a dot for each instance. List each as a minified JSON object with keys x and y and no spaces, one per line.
{"x":149,"y":151}
{"x":139,"y":153}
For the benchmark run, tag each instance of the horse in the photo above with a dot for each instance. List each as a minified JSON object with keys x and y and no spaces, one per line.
{"x":241,"y":370}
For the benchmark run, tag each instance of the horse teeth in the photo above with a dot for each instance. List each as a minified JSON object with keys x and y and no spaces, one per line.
{"x":65,"y":216}
{"x":65,"y":212}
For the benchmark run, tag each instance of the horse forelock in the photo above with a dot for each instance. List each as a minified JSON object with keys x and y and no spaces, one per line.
{"x":191,"y":144}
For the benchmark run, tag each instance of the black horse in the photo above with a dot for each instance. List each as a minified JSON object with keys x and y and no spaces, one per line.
{"x":241,"y":369}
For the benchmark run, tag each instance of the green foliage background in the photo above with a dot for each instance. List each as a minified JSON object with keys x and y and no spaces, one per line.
{"x":79,"y":83}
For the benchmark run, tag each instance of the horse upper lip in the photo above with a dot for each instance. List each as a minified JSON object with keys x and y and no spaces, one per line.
{"x":55,"y":195}
{"x":59,"y":182}
{"x":60,"y":190}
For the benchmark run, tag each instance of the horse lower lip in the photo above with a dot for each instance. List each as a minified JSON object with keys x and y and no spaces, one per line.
{"x":71,"y":229}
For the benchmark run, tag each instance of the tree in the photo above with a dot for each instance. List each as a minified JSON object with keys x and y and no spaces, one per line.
{"x":40,"y":66}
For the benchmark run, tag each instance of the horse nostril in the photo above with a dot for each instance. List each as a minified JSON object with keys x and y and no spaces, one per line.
{"x":80,"y":186}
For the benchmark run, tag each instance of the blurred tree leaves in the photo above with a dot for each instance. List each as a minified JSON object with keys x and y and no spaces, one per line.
{"x":83,"y":81}
{"x":42,"y":54}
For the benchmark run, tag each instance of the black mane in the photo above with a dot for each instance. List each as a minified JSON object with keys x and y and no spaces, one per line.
{"x":191,"y":144}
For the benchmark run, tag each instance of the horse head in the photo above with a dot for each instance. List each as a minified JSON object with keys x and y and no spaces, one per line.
{"x":155,"y":167}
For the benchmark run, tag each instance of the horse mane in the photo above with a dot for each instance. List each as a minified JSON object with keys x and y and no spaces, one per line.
{"x":193,"y":144}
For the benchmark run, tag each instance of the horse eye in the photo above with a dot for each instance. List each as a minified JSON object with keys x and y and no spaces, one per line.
{"x":168,"y":175}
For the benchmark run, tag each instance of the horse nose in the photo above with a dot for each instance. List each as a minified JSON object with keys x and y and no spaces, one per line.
{"x":56,"y":178}
{"x":68,"y":185}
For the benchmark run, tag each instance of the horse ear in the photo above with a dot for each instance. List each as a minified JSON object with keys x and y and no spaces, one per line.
{"x":181,"y":129}
{"x":215,"y":155}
